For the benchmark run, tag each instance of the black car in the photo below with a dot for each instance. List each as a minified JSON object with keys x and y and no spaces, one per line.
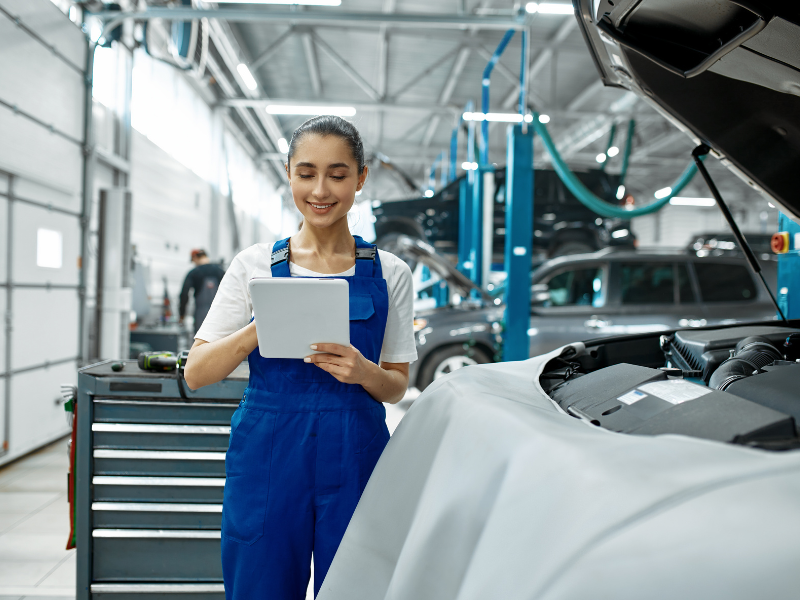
{"x":561,"y":224}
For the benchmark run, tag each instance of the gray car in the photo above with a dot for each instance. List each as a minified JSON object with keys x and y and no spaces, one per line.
{"x":577,"y":297}
{"x":607,"y":293}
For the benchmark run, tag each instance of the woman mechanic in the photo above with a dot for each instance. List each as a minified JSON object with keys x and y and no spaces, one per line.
{"x":307,"y":433}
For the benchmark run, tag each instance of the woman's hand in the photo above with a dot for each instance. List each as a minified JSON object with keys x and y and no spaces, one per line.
{"x":345,"y":363}
{"x":386,"y":382}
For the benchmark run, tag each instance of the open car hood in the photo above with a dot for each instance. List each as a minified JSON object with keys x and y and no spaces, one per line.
{"x":725,"y":72}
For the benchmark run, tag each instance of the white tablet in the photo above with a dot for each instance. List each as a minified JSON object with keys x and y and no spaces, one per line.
{"x":294,"y":312}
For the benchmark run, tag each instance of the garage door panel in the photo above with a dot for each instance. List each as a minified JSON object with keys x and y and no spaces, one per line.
{"x":35,"y":154}
{"x":3,"y":238}
{"x":35,"y":413}
{"x":44,"y":193}
{"x":33,"y":76}
{"x":36,"y":233}
{"x":53,"y":25}
{"x":2,"y":336}
{"x":45,"y":326}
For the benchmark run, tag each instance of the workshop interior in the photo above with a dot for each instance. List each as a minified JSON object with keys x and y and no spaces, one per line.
{"x":598,"y":205}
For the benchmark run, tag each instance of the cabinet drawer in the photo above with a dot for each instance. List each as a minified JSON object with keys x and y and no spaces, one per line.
{"x":158,"y":462}
{"x":154,"y":436}
{"x":107,"y":410}
{"x":158,"y":489}
{"x":156,"y":555}
{"x":155,"y":515}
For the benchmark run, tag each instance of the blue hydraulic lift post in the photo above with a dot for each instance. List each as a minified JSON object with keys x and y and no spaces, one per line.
{"x":519,"y":239}
{"x":789,"y":270}
{"x":519,"y":227}
{"x":465,"y":245}
{"x":454,"y":152}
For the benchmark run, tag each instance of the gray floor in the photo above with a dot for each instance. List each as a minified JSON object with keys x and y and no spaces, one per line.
{"x":34,"y":521}
{"x":34,"y":525}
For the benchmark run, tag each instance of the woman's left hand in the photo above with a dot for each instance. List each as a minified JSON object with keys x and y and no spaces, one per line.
{"x":345,"y":363}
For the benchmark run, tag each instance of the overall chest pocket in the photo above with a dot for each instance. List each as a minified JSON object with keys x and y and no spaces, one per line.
{"x":361,"y":311}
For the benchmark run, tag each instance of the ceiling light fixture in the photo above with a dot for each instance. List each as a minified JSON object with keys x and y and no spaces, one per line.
{"x":683,"y":201}
{"x":549,"y":8}
{"x":544,"y":119}
{"x":663,"y":193}
{"x":283,"y":146}
{"x":612,"y":152}
{"x":429,"y":193}
{"x":249,"y":80}
{"x":497,"y":117}
{"x":601,"y":158}
{"x":285,"y":2}
{"x":620,"y":192}
{"x":284,"y":109}
{"x":469,"y":166}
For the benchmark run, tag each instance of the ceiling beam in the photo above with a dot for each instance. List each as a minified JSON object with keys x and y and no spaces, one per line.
{"x":329,"y":18}
{"x":347,"y":68}
{"x":271,"y":49}
{"x":402,"y":89}
{"x":311,"y":61}
{"x":447,"y":92}
{"x":541,"y":60}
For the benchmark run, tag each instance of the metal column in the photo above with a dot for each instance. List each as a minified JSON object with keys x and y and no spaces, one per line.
{"x":519,"y":239}
{"x":464,"y":224}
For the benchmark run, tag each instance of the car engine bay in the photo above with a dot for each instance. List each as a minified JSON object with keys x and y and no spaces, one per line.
{"x":739,"y":385}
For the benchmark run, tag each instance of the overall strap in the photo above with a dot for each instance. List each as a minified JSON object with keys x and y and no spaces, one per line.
{"x":368,"y":262}
{"x":280,"y":259}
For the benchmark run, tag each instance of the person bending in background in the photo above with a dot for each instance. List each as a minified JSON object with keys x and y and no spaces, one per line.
{"x":204,"y":280}
{"x":307,"y":434}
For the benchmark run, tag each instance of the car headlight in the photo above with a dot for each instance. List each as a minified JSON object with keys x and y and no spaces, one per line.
{"x":419,"y":324}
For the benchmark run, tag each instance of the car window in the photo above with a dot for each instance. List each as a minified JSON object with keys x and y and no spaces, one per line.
{"x":724,"y":282}
{"x":647,"y":283}
{"x":578,"y":287}
{"x":685,"y":292}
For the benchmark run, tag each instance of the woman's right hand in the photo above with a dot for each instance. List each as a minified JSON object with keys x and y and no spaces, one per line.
{"x":210,"y":362}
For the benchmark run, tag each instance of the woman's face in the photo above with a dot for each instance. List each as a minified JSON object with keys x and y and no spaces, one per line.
{"x":324,"y":178}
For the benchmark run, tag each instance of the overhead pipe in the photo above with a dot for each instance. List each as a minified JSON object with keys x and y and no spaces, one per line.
{"x":588,"y":199}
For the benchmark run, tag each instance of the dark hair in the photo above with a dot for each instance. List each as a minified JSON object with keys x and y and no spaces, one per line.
{"x":331,"y":125}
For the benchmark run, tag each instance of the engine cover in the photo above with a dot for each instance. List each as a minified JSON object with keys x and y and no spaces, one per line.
{"x":705,"y":350}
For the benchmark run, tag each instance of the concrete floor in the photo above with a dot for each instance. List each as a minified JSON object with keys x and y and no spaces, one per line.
{"x":34,"y":526}
{"x":34,"y":521}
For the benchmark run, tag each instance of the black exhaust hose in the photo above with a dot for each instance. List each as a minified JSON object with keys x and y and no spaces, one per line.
{"x":750,"y":356}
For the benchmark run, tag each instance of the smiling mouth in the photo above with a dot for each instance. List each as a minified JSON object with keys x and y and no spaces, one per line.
{"x":321,"y":206}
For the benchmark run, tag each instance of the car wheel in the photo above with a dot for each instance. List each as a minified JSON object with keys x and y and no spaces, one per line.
{"x":571,"y":248}
{"x":446,"y":360}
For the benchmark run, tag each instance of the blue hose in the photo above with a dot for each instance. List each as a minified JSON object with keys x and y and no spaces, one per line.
{"x":588,"y":199}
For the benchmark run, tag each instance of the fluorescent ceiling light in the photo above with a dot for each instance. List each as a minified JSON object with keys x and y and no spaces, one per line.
{"x":544,"y":119}
{"x":528,"y":118}
{"x":498,"y":117}
{"x":601,"y":158}
{"x":549,"y":8}
{"x":469,"y":166}
{"x":429,"y":193}
{"x":339,"y":111}
{"x":249,"y":80}
{"x":663,"y":193}
{"x":620,"y":192}
{"x":682,"y":201}
{"x":303,"y":2}
{"x":612,"y":152}
{"x":283,"y":145}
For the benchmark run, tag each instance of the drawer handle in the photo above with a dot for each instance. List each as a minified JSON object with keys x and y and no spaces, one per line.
{"x":159,"y":481}
{"x":159,"y":455}
{"x":157,"y":588}
{"x":156,"y":507}
{"x":148,"y":428}
{"x":177,"y":534}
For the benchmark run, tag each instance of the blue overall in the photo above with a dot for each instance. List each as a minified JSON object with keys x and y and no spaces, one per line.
{"x":302,"y":448}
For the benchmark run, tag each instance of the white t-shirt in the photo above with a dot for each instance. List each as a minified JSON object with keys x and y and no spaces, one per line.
{"x":232,"y":307}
